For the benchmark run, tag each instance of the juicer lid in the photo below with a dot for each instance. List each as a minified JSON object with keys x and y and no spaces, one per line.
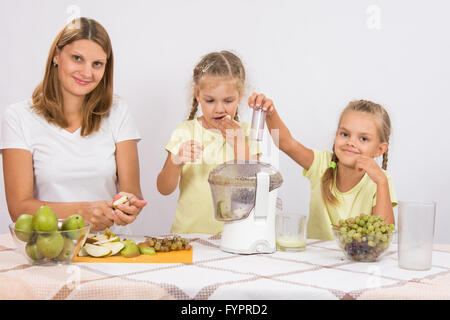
{"x":240,"y":174}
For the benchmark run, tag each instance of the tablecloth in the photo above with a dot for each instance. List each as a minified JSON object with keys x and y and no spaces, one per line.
{"x":319,"y":272}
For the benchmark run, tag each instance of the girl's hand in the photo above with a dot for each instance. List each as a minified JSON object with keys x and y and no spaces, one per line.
{"x":99,"y":213}
{"x":369,"y":165}
{"x":190,"y":151}
{"x":126,"y":213}
{"x":231,"y":131}
{"x":258,"y":99}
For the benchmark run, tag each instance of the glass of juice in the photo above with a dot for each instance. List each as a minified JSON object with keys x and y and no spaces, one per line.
{"x":290,"y":232}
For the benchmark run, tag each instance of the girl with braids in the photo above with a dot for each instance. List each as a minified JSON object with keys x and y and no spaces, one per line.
{"x":200,"y":143}
{"x":348,"y":181}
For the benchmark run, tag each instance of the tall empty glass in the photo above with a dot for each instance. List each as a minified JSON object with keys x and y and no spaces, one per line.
{"x":415,"y":234}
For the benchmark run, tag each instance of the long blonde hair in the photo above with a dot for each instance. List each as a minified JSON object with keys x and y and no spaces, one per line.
{"x":47,"y":97}
{"x":218,"y":64}
{"x":384,"y":131}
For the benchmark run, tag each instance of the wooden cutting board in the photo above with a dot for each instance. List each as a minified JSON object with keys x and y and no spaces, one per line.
{"x":180,"y":256}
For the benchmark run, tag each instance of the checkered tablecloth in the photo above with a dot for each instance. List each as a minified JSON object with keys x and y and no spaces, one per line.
{"x":319,"y":272}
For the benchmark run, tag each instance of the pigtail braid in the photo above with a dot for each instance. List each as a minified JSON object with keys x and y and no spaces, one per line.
{"x":194,"y":109}
{"x":328,"y":178}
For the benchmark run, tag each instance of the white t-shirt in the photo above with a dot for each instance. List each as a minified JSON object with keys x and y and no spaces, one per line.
{"x":68,"y":167}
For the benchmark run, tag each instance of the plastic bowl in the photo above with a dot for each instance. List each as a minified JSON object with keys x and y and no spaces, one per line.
{"x":369,"y":248}
{"x":49,"y":248}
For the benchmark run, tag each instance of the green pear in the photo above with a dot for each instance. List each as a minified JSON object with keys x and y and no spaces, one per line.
{"x":144,"y":248}
{"x":32,"y":251}
{"x":50,"y":245}
{"x":130,"y":250}
{"x":71,"y":225}
{"x":24,"y":227}
{"x":45,"y":219}
{"x":67,"y":250}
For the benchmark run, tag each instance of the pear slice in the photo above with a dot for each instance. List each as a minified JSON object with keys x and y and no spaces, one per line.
{"x":114,"y":239}
{"x":82,"y":252}
{"x":115,"y":247}
{"x":96,"y":251}
{"x":119,"y":200}
{"x":100,"y":237}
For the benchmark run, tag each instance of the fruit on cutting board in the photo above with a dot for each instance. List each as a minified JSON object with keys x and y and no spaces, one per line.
{"x":144,"y":248}
{"x":96,"y":251}
{"x":130,"y":250}
{"x":168,"y":244}
{"x":115,"y":247}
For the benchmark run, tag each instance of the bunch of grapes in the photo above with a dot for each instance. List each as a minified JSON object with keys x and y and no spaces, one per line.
{"x":364,"y":238}
{"x":168,"y":244}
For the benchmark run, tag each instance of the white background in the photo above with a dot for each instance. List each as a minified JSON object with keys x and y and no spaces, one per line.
{"x":310,"y":57}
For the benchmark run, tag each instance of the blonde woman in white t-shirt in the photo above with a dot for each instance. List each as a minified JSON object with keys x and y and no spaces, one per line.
{"x":73,"y":146}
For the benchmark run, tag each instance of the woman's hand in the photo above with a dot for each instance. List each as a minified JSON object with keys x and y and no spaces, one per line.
{"x":258,"y":100}
{"x":190,"y":151}
{"x":99,"y":214}
{"x":126,"y":213}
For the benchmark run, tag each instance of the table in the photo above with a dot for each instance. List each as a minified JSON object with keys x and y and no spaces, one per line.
{"x":319,"y":272}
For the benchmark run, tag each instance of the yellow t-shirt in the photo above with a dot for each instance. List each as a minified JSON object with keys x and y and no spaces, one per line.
{"x":195,"y":210}
{"x":360,"y":199}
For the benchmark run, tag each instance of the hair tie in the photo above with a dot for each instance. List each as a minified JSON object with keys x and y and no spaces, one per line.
{"x":333,"y":164}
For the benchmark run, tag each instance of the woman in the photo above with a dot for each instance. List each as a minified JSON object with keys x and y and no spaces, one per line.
{"x":73,"y":146}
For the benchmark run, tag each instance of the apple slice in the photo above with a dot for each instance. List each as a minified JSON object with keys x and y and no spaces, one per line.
{"x":115,"y":247}
{"x":96,"y":251}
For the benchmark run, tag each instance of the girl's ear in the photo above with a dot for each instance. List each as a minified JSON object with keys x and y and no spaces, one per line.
{"x":382,"y":148}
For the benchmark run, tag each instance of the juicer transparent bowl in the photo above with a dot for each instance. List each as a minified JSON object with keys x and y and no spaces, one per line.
{"x":233,"y":187}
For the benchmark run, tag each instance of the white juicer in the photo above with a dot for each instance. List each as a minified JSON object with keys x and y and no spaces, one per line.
{"x":244,"y":196}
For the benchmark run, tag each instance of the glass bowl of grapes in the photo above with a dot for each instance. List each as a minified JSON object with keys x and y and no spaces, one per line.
{"x":364,"y":238}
